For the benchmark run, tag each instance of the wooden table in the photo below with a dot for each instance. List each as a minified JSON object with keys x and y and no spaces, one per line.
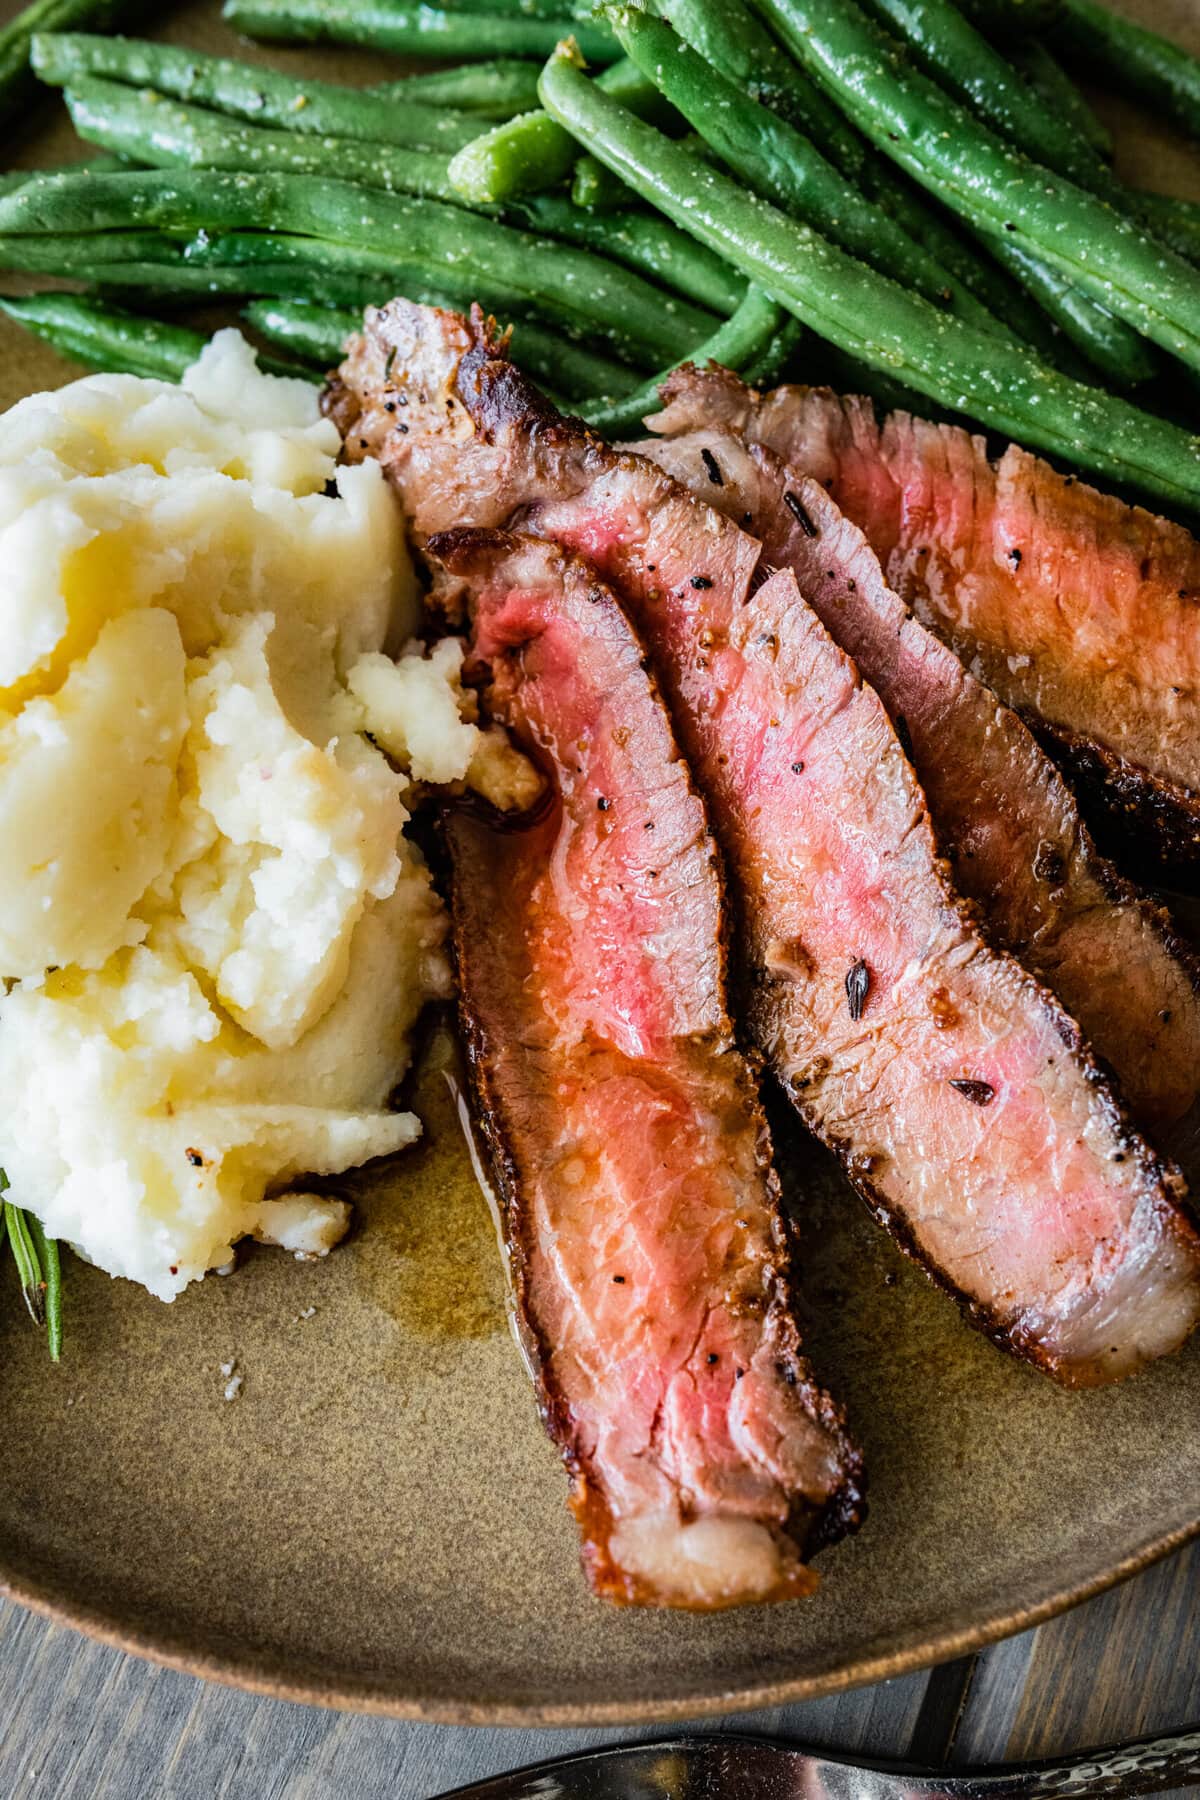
{"x":82,"y":1722}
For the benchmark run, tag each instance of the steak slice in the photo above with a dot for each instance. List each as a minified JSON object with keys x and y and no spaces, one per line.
{"x":1003,"y":814}
{"x":1081,"y":612}
{"x":960,"y":1096}
{"x":639,"y":1205}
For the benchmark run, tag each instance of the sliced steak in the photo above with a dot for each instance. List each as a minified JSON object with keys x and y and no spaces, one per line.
{"x":1003,"y":814}
{"x":1081,"y":612}
{"x":960,"y":1096}
{"x":638,"y":1200}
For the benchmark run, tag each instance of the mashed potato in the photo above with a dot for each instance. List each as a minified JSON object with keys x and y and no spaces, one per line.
{"x":215,"y":934}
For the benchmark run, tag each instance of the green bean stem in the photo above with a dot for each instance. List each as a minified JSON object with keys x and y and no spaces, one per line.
{"x":529,"y":153}
{"x":951,"y":360}
{"x":594,"y":186}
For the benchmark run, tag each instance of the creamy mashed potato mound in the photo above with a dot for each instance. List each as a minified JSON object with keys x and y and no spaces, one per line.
{"x":215,"y":935}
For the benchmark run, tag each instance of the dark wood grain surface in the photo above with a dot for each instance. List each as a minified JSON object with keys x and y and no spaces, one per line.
{"x":82,"y":1722}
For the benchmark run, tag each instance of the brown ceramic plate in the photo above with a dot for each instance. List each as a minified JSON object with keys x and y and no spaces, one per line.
{"x":377,"y":1522}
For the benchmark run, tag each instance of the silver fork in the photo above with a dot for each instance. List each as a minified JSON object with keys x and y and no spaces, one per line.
{"x":748,"y":1768}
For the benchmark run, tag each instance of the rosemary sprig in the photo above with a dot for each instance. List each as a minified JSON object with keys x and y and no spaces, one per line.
{"x":39,"y":1269}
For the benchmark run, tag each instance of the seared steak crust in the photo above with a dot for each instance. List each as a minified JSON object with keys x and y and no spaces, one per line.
{"x":1083,"y":613}
{"x":955,"y":1088}
{"x":1004,"y":816}
{"x":640,"y":1209}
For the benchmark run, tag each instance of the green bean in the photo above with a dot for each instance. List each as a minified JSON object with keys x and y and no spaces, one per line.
{"x":46,"y":1250}
{"x":285,"y":266}
{"x":1112,"y":348}
{"x":12,"y":179}
{"x":974,"y":172}
{"x":1050,"y":80}
{"x":236,"y":263}
{"x":318,"y":335}
{"x":410,"y":28}
{"x":742,"y":339}
{"x":318,"y":270}
{"x":182,"y":284}
{"x":80,"y":255}
{"x":1011,"y":21}
{"x":951,"y":360}
{"x":920,"y":216}
{"x":16,"y":79}
{"x":951,"y":51}
{"x":498,"y":88}
{"x":1132,"y":59}
{"x":85,"y":254}
{"x":314,"y":334}
{"x":272,"y":264}
{"x":1176,"y":221}
{"x":966,"y":270}
{"x":640,"y":240}
{"x":778,"y":162}
{"x":727,"y":35}
{"x":143,"y":126}
{"x":105,"y":337}
{"x":1052,"y":124}
{"x":259,"y":96}
{"x":530,"y":152}
{"x":912,"y":237}
{"x":518,"y":157}
{"x":595,"y":187}
{"x":766,"y":370}
{"x":573,"y":285}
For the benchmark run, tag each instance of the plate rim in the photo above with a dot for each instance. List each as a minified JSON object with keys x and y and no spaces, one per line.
{"x":363,"y":1698}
